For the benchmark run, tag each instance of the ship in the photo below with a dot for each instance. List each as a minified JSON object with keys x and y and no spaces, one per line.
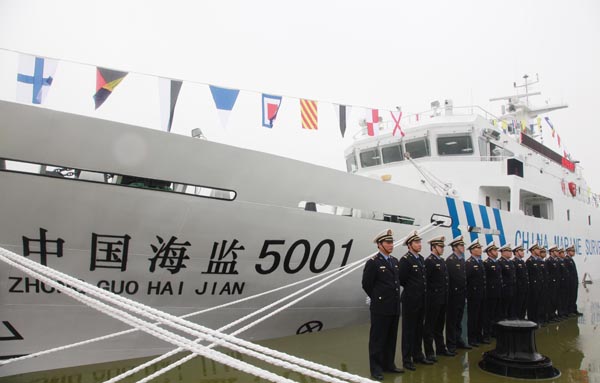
{"x":183,"y":223}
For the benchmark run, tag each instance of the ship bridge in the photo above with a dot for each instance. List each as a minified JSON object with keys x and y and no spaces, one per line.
{"x":462,"y":152}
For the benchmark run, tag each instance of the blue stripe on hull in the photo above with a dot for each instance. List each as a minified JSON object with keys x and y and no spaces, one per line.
{"x":454,"y":215}
{"x":486,"y":223}
{"x":499,"y":226}
{"x":470,"y":218}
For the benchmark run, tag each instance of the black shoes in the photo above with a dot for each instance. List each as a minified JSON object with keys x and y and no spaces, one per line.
{"x":465,"y":346}
{"x":447,"y":353}
{"x":377,"y":376}
{"x":424,"y":361}
{"x":410,"y":366}
{"x":486,"y":341}
{"x":396,"y":370}
{"x":431,"y":358}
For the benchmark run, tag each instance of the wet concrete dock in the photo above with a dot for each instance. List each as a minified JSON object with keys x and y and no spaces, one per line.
{"x":573,"y":345}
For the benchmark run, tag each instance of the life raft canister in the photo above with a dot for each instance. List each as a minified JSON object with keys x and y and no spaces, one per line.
{"x":573,"y":188}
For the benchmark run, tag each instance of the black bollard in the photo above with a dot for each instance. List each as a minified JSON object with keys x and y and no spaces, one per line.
{"x":516,"y":354}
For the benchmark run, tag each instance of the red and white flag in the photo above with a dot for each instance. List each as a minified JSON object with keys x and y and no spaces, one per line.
{"x":372,"y":120}
{"x":270,"y":108}
{"x":397,"y":126}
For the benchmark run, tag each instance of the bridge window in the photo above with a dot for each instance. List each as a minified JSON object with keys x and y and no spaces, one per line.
{"x":418,"y":148}
{"x":370,"y":157}
{"x":514,"y":167}
{"x":392,"y":153}
{"x":455,"y":145}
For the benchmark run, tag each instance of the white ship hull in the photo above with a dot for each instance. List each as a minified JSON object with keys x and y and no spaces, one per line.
{"x":264,"y":218}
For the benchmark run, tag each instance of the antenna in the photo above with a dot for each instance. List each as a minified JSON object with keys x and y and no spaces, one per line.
{"x":526,"y":86}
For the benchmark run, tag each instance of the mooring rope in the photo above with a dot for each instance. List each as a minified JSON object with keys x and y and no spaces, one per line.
{"x":189,"y":315}
{"x":202,"y":332}
{"x":147,"y":327}
{"x":22,"y":264}
{"x":353,"y":266}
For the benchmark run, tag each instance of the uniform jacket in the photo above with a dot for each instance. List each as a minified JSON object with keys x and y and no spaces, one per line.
{"x":535,"y":269}
{"x":475,"y":279}
{"x":437,"y":278}
{"x":564,"y":273}
{"x":574,"y":278}
{"x":413,"y":279}
{"x":552,"y":268}
{"x":493,"y":278}
{"x":509,"y":277}
{"x":380,"y":282}
{"x":522,"y":274}
{"x":457,"y":274}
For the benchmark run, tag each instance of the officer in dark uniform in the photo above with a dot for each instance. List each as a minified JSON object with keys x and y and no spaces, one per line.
{"x":493,"y":292}
{"x":573,"y":282}
{"x":381,"y":283}
{"x":437,"y":298}
{"x":413,"y":279}
{"x":457,"y":289}
{"x":509,"y":283}
{"x":522,"y":292}
{"x":545,"y":299}
{"x":553,"y":271}
{"x":563,"y":285}
{"x":475,"y":294}
{"x":535,"y":270}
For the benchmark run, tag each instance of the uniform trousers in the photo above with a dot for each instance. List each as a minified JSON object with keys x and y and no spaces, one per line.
{"x":433,"y":329}
{"x":382,"y":342}
{"x":454,"y":316}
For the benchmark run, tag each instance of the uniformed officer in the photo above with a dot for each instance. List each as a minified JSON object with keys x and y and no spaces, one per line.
{"x":457,"y":289}
{"x":535,"y":269}
{"x":509,"y":283}
{"x":545,"y":299}
{"x":475,"y":293}
{"x":413,"y":279}
{"x":493,"y":292}
{"x":573,"y":282}
{"x":437,"y":298}
{"x":522,"y":282}
{"x":563,"y":285}
{"x":553,"y":272}
{"x":381,"y":282}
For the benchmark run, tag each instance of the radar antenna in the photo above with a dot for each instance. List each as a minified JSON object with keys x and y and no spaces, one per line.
{"x":526,"y":86}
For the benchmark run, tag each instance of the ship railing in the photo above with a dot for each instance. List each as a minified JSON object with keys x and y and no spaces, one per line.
{"x":387,"y":125}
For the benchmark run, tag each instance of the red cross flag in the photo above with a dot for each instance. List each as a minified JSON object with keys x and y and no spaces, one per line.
{"x":397,"y":126}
